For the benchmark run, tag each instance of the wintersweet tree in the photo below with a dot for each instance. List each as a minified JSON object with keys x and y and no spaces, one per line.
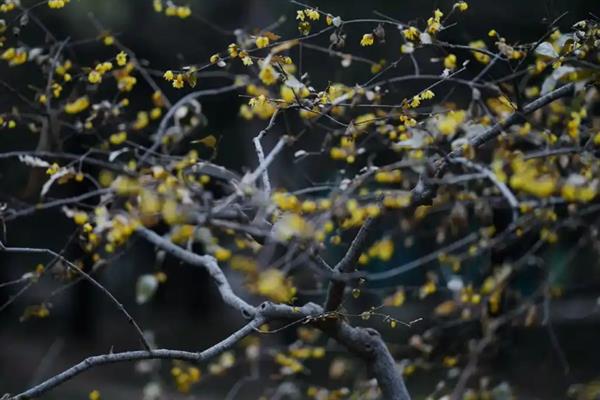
{"x":483,"y":157}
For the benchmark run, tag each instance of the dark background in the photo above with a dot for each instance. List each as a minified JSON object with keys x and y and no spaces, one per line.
{"x":187,"y":313}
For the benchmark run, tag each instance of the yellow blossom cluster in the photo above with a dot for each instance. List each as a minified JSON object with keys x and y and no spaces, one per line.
{"x":478,"y":47}
{"x":8,"y":5}
{"x":448,"y":124}
{"x":185,"y":377}
{"x":95,"y":75}
{"x":78,"y":105}
{"x":434,"y":23}
{"x":14,"y":56}
{"x":57,"y":3}
{"x":172,"y":10}
{"x":532,"y":177}
{"x":273,"y":284}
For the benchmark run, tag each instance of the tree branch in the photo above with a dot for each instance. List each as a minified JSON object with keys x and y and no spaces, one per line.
{"x":423,"y":193}
{"x":207,"y":262}
{"x":335,"y":292}
{"x":113,"y":358}
{"x":260,"y":152}
{"x":89,"y":279}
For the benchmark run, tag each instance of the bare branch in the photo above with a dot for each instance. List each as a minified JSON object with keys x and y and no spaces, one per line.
{"x":260,"y":152}
{"x":113,"y":358}
{"x":347,"y":264}
{"x":89,"y":279}
{"x":209,"y":263}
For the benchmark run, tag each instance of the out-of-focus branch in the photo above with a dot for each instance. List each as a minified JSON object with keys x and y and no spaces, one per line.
{"x":162,"y":127}
{"x":423,"y":193}
{"x":502,"y":187}
{"x":12,"y":214}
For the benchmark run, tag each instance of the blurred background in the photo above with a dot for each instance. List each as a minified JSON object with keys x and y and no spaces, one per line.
{"x":187,"y":313}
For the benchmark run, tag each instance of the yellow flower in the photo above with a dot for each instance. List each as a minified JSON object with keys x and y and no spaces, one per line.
{"x":222,"y":254}
{"x":397,"y":299}
{"x":56,"y":89}
{"x":448,"y":124}
{"x":8,"y":54}
{"x":155,"y":113}
{"x":104,"y":67}
{"x":434,"y":24}
{"x":233,"y":50}
{"x":262,"y":42}
{"x":168,"y":75}
{"x":450,"y":61}
{"x":427,"y":95}
{"x":126,"y":83}
{"x":94,"y":395}
{"x":411,"y":33}
{"x":462,"y":6}
{"x":300,"y":15}
{"x":14,"y":56}
{"x":273,"y":284}
{"x":394,"y":176}
{"x":80,"y":218}
{"x":415,"y":102}
{"x":247,"y":61}
{"x":312,"y":14}
{"x":367,"y":39}
{"x":77,"y":106}
{"x":108,"y":40}
{"x":256,"y":101}
{"x":574,"y":193}
{"x":118,"y":138}
{"x":184,"y":12}
{"x":94,"y":77}
{"x":53,"y":169}
{"x":428,"y":288}
{"x":479,"y":56}
{"x":383,"y":249}
{"x":57,"y":3}
{"x":121,"y":58}
{"x":178,"y":83}
{"x":268,"y":75}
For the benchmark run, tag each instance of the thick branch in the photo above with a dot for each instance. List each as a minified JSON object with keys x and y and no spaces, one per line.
{"x":366,"y":343}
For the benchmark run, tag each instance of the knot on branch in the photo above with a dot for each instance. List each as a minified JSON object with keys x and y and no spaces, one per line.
{"x":271,"y":310}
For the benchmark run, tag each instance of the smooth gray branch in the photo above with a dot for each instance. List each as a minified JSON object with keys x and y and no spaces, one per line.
{"x":207,"y":262}
{"x":112,"y":358}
